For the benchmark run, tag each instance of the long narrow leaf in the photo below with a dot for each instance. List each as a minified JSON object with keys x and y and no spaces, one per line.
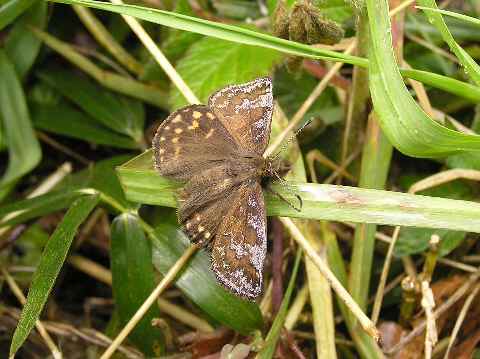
{"x":471,"y":67}
{"x":452,"y":14}
{"x":199,"y":284}
{"x":406,"y":125}
{"x":249,"y":37}
{"x":50,"y":264}
{"x":274,"y":333}
{"x":24,"y":150}
{"x":142,"y":184}
{"x":10,"y":9}
{"x":133,"y":281}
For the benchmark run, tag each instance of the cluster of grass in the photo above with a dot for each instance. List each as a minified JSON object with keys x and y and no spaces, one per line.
{"x":388,"y":170}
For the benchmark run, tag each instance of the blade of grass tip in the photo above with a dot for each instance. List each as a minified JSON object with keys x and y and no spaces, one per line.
{"x":435,"y":18}
{"x":364,"y":321}
{"x":39,"y":325}
{"x":167,"y":279}
{"x":103,"y":36}
{"x":277,"y":325}
{"x":463,"y":17}
{"x":159,"y":57}
{"x":50,"y":264}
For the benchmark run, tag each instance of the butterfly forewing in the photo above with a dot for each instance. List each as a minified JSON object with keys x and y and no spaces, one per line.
{"x":246,"y":111}
{"x":240,"y":244}
{"x":190,"y":140}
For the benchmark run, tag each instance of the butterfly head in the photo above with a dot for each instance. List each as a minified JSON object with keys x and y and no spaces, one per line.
{"x":275,"y":168}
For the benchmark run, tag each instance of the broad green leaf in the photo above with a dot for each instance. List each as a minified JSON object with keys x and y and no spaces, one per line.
{"x":462,"y":17}
{"x":211,"y":64}
{"x":50,"y":264}
{"x":229,"y":32}
{"x":337,"y":10}
{"x":325,"y":109}
{"x":199,"y":284}
{"x":142,"y":184}
{"x":416,"y":240}
{"x":122,"y":115}
{"x":21,"y":46}
{"x":65,"y":120}
{"x":10,"y":9}
{"x":471,"y":67}
{"x":468,"y":160}
{"x":23,"y":148}
{"x":406,"y":125}
{"x":273,"y":335}
{"x":133,"y":281}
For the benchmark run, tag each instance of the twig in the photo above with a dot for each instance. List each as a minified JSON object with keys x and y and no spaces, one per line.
{"x":428,"y":303}
{"x":364,"y":321}
{"x":440,"y":310}
{"x":159,"y":57}
{"x":167,"y":279}
{"x":41,"y":329}
{"x":308,"y":103}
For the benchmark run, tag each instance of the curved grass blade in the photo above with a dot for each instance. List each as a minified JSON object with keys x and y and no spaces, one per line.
{"x":11,"y":9}
{"x":268,"y":350}
{"x":245,"y":36}
{"x":23,"y":147}
{"x":471,"y":67}
{"x":65,"y":120}
{"x":408,"y":128}
{"x":199,"y":284}
{"x":142,"y":184}
{"x":50,"y":264}
{"x":118,"y":113}
{"x":133,"y":281}
{"x":456,"y":15}
{"x":21,"y":46}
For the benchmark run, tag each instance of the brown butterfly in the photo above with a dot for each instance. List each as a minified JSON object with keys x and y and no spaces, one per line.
{"x":217,"y":150}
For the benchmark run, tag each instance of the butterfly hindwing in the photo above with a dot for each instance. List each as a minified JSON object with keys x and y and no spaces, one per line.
{"x":240,"y":243}
{"x":189,"y":140}
{"x":246,"y":112}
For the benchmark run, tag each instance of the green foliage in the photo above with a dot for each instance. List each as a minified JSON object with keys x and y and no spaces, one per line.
{"x":133,"y":281}
{"x":199,"y":284}
{"x":208,"y":65}
{"x":50,"y":264}
{"x":23,"y":148}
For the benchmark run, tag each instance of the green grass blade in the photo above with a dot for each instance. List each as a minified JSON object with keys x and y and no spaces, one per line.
{"x":469,"y":64}
{"x":65,"y":120}
{"x":10,"y":9}
{"x":268,"y":350}
{"x":456,"y":15}
{"x":199,"y":284}
{"x":219,"y":30}
{"x":133,"y":281}
{"x":408,"y":128}
{"x":50,"y":264}
{"x":35,"y":207}
{"x":118,"y":113}
{"x":142,"y":184}
{"x":233,"y":33}
{"x":24,"y":149}
{"x":21,"y":46}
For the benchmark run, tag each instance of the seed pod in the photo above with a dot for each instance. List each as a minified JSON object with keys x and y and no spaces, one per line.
{"x":280,"y":20}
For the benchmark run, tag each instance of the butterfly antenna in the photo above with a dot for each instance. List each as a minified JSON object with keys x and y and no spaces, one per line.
{"x":292,"y":137}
